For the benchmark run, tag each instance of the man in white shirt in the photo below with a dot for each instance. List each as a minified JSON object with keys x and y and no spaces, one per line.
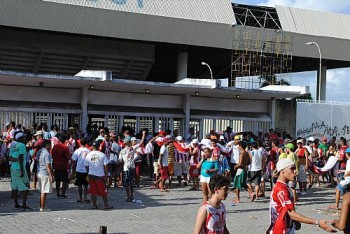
{"x":255,"y":171}
{"x":96,"y":165}
{"x":79,"y":170}
{"x":163,"y":164}
{"x":128,"y":156}
{"x":234,"y":155}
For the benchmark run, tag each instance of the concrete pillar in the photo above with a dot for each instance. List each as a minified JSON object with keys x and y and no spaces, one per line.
{"x":187,"y":108}
{"x":84,"y":103}
{"x":182,"y":64}
{"x":272,"y":112}
{"x":323,"y":82}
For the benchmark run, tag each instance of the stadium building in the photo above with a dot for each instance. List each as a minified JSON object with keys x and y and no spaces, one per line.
{"x":160,"y":64}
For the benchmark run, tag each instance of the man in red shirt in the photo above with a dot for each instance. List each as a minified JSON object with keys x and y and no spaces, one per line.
{"x":60,"y":155}
{"x":283,"y":217}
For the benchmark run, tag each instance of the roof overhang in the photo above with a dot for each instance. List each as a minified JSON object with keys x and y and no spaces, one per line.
{"x":132,"y":86}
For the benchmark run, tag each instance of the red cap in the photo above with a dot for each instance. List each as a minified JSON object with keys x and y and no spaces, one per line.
{"x":324,"y":138}
{"x":162,"y":133}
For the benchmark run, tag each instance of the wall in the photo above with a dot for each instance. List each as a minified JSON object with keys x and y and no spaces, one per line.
{"x":223,"y":104}
{"x":39,"y":94}
{"x":286,"y":116}
{"x":134,"y":99}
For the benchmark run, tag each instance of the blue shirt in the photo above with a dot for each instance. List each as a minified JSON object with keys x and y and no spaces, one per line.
{"x":207,"y":165}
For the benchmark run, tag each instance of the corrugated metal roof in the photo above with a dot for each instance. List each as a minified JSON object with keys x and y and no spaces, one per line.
{"x":218,"y":11}
{"x":43,"y":15}
{"x":316,"y":23}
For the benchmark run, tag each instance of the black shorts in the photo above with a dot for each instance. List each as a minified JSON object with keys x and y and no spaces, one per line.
{"x":255,"y":177}
{"x":129,"y":178}
{"x":61,"y":175}
{"x":80,"y":179}
{"x":114,"y":168}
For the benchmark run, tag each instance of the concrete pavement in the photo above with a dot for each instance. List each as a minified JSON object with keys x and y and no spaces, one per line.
{"x":173,"y":212}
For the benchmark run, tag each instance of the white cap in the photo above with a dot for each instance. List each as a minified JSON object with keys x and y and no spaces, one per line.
{"x":300,"y":141}
{"x":284,"y":163}
{"x":222,"y":137}
{"x":133,"y":139}
{"x":195,"y":141}
{"x":179,"y":138}
{"x":311,"y":139}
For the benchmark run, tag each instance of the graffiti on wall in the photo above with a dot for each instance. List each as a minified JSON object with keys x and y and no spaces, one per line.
{"x":319,"y":129}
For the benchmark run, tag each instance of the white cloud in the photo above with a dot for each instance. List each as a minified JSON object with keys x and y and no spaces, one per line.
{"x":340,"y":6}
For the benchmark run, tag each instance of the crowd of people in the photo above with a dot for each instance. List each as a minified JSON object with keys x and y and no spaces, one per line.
{"x":221,"y":161}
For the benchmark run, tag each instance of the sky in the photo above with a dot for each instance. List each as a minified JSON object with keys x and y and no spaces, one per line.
{"x":338,"y":84}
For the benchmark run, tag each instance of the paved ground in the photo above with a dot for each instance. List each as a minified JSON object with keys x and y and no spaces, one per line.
{"x":172,"y":212}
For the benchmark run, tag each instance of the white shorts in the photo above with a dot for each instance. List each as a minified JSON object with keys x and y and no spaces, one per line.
{"x":204,"y":179}
{"x":181,"y":168}
{"x":45,"y":184}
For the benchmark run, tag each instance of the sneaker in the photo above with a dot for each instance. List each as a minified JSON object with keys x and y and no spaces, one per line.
{"x":44,"y":210}
{"x":18,"y":206}
{"x":304,"y":193}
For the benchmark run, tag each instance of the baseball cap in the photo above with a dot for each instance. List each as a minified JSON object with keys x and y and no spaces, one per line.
{"x":300,"y":141}
{"x":195,"y":141}
{"x":237,"y":137}
{"x":284,"y":163}
{"x":289,"y":146}
{"x":161,"y":133}
{"x":222,"y":138}
{"x":311,"y":139}
{"x":18,"y":135}
{"x":133,"y":139}
{"x":324,"y":138}
{"x":179,"y":138}
{"x":96,"y":144}
{"x":38,"y":133}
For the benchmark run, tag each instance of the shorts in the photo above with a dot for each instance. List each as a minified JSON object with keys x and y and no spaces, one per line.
{"x":180,"y":168}
{"x":171,"y":169}
{"x":138,"y":167}
{"x":164,"y":172}
{"x":80,"y":179}
{"x":343,"y":189}
{"x":204,"y":179}
{"x":61,"y":175}
{"x":45,"y":184}
{"x":97,"y":186}
{"x":17,"y":182}
{"x":255,"y":177}
{"x":156,"y":168}
{"x":301,"y":177}
{"x":129,"y":178}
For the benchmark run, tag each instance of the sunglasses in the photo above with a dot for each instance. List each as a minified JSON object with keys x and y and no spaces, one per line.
{"x":292,"y":168}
